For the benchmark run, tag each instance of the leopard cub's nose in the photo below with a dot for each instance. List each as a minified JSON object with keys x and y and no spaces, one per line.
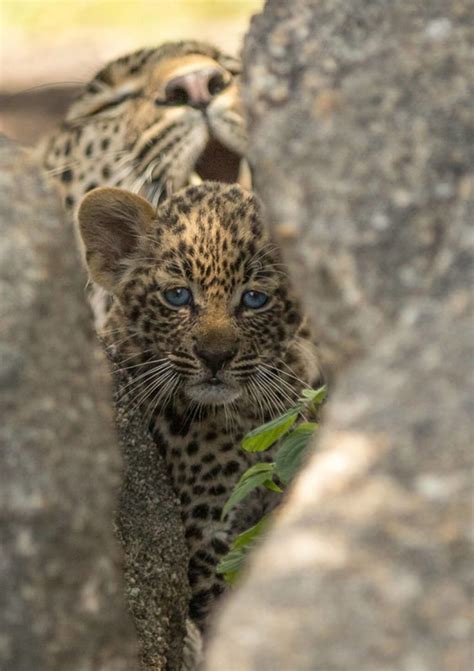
{"x":215,"y":360}
{"x":196,"y":88}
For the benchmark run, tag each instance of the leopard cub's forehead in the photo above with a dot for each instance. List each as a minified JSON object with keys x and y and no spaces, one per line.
{"x":213,"y":234}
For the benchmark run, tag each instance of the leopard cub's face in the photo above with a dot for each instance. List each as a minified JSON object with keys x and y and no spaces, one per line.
{"x":199,"y":291}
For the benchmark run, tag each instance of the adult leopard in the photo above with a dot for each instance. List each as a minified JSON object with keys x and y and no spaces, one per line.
{"x":150,"y":122}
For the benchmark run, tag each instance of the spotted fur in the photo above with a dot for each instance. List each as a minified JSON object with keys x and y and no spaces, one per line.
{"x":209,"y":239}
{"x":125,"y":129}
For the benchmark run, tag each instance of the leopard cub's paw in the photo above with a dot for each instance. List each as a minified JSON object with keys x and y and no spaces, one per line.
{"x":193,"y":648}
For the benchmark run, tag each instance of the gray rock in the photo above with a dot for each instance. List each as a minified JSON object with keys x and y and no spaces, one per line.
{"x":61,"y":599}
{"x":152,"y":537}
{"x":366,"y":165}
{"x":361,"y":124}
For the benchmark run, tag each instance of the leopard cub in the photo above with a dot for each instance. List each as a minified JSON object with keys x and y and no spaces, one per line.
{"x":215,"y":342}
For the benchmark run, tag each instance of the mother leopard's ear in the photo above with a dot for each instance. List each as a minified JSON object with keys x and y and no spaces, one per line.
{"x":111,"y":223}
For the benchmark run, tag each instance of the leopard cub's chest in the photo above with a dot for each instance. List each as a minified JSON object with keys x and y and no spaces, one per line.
{"x":205,"y":461}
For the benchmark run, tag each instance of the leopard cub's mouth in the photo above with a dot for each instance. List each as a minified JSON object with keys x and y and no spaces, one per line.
{"x":213,"y":390}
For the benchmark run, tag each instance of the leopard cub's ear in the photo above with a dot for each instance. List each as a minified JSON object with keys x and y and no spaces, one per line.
{"x":111,"y":223}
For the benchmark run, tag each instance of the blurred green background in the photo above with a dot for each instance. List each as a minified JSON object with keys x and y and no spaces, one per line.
{"x":48,"y":49}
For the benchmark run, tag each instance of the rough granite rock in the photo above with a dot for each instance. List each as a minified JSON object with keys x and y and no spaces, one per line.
{"x":152,"y":537}
{"x":61,"y":597}
{"x":362,"y":134}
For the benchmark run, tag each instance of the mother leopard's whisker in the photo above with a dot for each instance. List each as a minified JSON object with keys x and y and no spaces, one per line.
{"x":155,"y":193}
{"x":126,"y":169}
{"x":73,"y":163}
{"x":137,"y":185}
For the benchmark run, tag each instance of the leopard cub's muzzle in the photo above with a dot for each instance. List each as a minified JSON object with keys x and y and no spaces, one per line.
{"x":215,"y":350}
{"x":215,"y":360}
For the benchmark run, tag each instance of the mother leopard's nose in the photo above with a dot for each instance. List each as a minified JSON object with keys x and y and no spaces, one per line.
{"x":215,"y":359}
{"x":196,"y":88}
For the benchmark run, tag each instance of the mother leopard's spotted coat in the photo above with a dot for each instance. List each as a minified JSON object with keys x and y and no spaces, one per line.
{"x":146,"y":119}
{"x":209,"y":369}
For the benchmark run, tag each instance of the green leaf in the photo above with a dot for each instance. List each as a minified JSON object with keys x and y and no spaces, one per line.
{"x":252,"y":478}
{"x":315,"y":396}
{"x":264,"y":436}
{"x":272,"y":486}
{"x":231,"y":564}
{"x":249,"y":535}
{"x":293,"y":450}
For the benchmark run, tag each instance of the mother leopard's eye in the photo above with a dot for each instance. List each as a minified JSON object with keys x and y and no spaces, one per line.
{"x":178,"y":297}
{"x":254,"y":299}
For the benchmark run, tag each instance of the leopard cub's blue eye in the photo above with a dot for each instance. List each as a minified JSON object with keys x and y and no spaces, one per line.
{"x":254,"y":299}
{"x":179,"y":296}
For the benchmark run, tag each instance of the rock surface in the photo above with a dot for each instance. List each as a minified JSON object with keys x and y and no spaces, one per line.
{"x":61,"y":599}
{"x":361,"y":125}
{"x":152,"y":537}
